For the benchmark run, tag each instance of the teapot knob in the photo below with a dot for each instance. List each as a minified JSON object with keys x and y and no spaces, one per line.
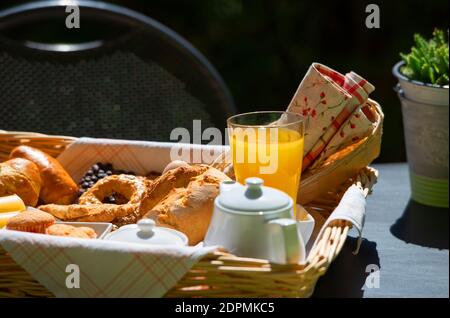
{"x":146,"y":225}
{"x":254,"y":185}
{"x":228,"y":185}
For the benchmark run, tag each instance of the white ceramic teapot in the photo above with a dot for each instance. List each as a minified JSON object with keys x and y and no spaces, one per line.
{"x":255,"y":221}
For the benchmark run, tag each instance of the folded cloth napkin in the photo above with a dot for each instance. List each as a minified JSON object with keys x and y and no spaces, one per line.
{"x":351,"y":208}
{"x":357,"y":126}
{"x":106,"y":268}
{"x":327,"y":98}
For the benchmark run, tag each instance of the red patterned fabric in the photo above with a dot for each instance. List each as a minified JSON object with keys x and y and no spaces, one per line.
{"x":327,"y":99}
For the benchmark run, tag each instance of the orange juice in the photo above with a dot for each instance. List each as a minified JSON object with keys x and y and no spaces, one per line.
{"x":272,"y":154}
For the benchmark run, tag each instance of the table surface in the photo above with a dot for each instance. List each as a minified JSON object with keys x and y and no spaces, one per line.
{"x":407,"y":241}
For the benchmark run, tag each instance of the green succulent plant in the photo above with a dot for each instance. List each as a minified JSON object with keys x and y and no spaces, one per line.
{"x":428,"y":60}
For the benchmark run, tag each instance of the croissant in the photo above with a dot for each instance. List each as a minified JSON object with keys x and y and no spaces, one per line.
{"x":57,"y":185}
{"x":20,"y":176}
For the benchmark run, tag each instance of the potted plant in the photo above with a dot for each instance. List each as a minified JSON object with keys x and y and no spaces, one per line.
{"x":423,"y":89}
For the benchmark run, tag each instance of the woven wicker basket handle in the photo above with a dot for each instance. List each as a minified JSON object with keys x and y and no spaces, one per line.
{"x":332,"y":237}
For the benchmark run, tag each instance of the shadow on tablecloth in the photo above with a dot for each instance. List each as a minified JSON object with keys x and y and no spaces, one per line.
{"x":423,"y":225}
{"x":347,"y":275}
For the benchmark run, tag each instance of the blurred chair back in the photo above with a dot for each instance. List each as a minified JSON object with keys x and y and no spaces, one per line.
{"x":120,"y":75}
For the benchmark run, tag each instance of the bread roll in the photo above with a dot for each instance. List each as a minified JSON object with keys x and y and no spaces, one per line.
{"x":183,"y":199}
{"x":21,"y":177}
{"x":57,"y":186}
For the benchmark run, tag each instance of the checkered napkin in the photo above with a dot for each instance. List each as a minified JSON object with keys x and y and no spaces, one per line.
{"x":110,"y":269}
{"x":327,"y":99}
{"x":106,"y":268}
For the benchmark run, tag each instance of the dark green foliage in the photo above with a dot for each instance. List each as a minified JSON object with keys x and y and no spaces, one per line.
{"x":428,"y":60}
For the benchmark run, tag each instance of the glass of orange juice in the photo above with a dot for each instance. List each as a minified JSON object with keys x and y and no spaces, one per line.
{"x":268,"y":145}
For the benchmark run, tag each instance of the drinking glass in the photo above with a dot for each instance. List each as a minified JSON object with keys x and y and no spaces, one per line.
{"x":268,"y":145}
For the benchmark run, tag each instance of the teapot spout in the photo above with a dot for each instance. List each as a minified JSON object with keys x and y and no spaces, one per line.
{"x":227,"y":185}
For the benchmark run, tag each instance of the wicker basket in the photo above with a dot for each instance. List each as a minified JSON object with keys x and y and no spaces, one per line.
{"x":221,"y":274}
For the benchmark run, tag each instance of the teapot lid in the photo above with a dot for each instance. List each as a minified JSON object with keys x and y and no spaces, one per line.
{"x":253,"y":197}
{"x":146,"y":232}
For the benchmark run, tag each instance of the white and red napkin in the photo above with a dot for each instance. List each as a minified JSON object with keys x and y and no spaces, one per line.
{"x":327,"y":99}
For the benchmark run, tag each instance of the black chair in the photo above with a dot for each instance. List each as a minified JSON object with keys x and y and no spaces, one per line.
{"x":120,"y":75}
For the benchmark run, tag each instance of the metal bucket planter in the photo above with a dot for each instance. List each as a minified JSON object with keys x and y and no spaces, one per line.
{"x":425,"y":110}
